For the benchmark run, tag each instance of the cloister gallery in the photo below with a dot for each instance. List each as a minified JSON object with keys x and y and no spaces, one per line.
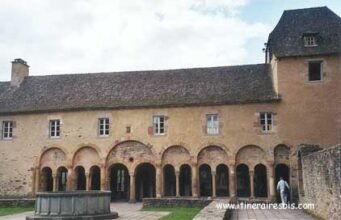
{"x":133,"y":170}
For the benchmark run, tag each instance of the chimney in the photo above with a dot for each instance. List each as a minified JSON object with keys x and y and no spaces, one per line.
{"x":19,"y":71}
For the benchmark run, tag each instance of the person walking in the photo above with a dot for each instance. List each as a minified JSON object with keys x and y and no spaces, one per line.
{"x":281,"y":186}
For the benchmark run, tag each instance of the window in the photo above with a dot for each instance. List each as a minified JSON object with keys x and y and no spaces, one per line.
{"x":7,"y":129}
{"x":128,"y":129}
{"x":266,"y":121}
{"x":103,"y":126}
{"x":212,"y":124}
{"x":315,"y":70}
{"x":310,"y":41}
{"x":159,"y":125}
{"x":54,"y":128}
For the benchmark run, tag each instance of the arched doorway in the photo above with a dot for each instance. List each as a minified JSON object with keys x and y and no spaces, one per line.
{"x":282,"y":170}
{"x":205,"y":180}
{"x":80,"y":178}
{"x":169,"y":180}
{"x":46,"y":180}
{"x":243,"y":181}
{"x":95,"y":178}
{"x":119,"y":182}
{"x":145,"y":181}
{"x":260,"y":181}
{"x":62,"y":178}
{"x":185,"y":180}
{"x":222,"y":180}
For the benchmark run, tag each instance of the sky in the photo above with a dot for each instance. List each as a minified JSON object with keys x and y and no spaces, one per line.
{"x":83,"y":36}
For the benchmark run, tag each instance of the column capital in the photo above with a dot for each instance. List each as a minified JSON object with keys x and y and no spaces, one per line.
{"x":252,"y":172}
{"x":177,"y":173}
{"x":213,"y":172}
{"x":131,"y":174}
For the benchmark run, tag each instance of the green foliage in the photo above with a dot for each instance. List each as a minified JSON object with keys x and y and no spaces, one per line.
{"x":13,"y":210}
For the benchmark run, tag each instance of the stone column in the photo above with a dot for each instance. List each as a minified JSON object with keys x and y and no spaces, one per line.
{"x":232,"y":181}
{"x":177,"y":181}
{"x":251,"y":173}
{"x":103,"y":178}
{"x":55,"y":182}
{"x":87,"y":181}
{"x":132,"y":186}
{"x":195,"y":180}
{"x":69,"y":180}
{"x":271,"y":182}
{"x":158,"y":181}
{"x":37,"y":180}
{"x":214,"y":194}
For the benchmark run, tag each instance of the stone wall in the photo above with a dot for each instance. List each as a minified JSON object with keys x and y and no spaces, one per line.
{"x":322,"y":181}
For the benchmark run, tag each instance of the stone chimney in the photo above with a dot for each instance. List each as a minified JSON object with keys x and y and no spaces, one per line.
{"x":19,"y":71}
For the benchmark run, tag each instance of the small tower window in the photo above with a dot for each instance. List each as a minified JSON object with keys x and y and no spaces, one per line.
{"x":310,"y":41}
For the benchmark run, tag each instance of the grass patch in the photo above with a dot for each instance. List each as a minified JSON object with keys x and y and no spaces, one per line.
{"x":13,"y":210}
{"x":176,"y":213}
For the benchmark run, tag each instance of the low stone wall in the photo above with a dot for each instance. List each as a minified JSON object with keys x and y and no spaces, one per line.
{"x":322,"y":182}
{"x":175,"y":202}
{"x":17,"y":202}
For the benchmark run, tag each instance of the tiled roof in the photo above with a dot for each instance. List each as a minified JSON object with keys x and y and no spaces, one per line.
{"x":163,"y":88}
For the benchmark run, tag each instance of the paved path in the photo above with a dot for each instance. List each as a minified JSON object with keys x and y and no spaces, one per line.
{"x":271,"y":214}
{"x":211,"y":212}
{"x":131,"y":211}
{"x":125,"y":211}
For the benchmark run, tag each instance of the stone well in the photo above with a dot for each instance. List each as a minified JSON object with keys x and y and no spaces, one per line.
{"x":73,"y":205}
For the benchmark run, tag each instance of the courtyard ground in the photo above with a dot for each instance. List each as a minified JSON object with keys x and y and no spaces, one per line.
{"x":132,"y":211}
{"x":270,"y":214}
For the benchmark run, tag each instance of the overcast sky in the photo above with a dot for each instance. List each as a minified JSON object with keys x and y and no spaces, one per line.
{"x":81,"y":36}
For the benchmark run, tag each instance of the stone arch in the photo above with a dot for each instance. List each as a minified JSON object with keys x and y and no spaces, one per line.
{"x":176,"y":156}
{"x":169,"y":187}
{"x":53,"y":158}
{"x":119,"y":182}
{"x":205,"y":180}
{"x":185,"y":180}
{"x":130,"y":153}
{"x":145,"y":181}
{"x":243,"y":180}
{"x":62,"y":178}
{"x":250,"y":155}
{"x":212,"y":155}
{"x":95,"y":178}
{"x":222,"y":180}
{"x":79,"y":178}
{"x":86,"y":157}
{"x":260,"y":181}
{"x":282,"y":154}
{"x":46,"y":180}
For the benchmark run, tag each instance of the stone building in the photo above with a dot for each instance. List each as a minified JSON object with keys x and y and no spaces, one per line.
{"x":218,"y":131}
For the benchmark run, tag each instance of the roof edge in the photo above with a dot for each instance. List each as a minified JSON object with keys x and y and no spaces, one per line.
{"x":24,"y":112}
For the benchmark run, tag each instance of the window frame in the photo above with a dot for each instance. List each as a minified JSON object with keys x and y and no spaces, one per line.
{"x":7,"y":130}
{"x":54,"y":128}
{"x":265,"y":127}
{"x":209,"y":122}
{"x":106,"y":127}
{"x":156,"y":120}
{"x":321,"y":70}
